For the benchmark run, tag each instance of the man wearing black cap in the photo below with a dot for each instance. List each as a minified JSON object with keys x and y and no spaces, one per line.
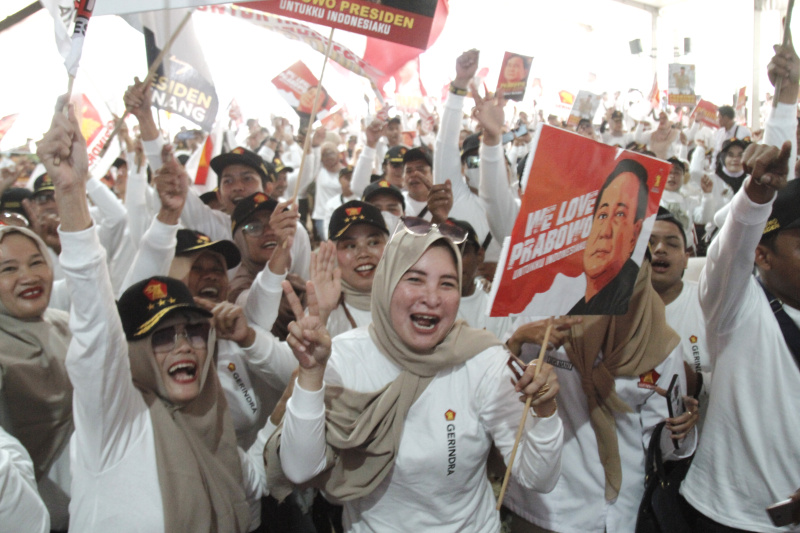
{"x":747,"y":458}
{"x":418,"y":176}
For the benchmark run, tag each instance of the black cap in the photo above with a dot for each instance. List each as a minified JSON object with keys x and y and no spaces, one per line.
{"x":675,"y":161}
{"x":247,"y":206}
{"x":209,"y":197}
{"x":383,"y":187}
{"x":119,"y":162}
{"x":242,"y":156}
{"x":616,"y":115}
{"x":667,"y":216}
{"x":11,"y":201}
{"x":43,"y":184}
{"x":743,"y":143}
{"x":472,"y":142}
{"x":146,"y":303}
{"x":472,"y":235}
{"x":395,"y":154}
{"x":280,"y":166}
{"x":345,"y":170}
{"x":192,"y":241}
{"x":419,"y":153}
{"x":354,"y":212}
{"x":785,"y":210}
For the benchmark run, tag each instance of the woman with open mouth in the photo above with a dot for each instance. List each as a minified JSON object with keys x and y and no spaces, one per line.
{"x":396,"y":420}
{"x":154,"y":446}
{"x":35,"y":391}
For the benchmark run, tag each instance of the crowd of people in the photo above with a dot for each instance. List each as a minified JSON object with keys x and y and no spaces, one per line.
{"x":308,"y":347}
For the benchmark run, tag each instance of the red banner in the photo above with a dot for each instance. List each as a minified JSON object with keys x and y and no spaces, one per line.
{"x":705,"y":113}
{"x":298,"y":86}
{"x":580,"y":229}
{"x":399,"y":21}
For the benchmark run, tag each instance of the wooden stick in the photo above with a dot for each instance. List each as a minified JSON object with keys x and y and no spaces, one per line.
{"x":786,"y":33}
{"x":311,"y":119}
{"x":539,"y":362}
{"x":148,"y":79}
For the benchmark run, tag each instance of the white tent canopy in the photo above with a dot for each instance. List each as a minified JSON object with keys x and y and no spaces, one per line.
{"x":578,"y":44}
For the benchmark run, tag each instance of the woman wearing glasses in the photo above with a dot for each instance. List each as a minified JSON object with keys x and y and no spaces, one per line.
{"x":396,"y":420}
{"x":154,"y":447}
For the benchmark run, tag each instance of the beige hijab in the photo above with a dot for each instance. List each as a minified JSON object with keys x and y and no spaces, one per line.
{"x":247,"y":271}
{"x":199,"y":470}
{"x":36,"y":391}
{"x":631,"y":344}
{"x":363,"y":430}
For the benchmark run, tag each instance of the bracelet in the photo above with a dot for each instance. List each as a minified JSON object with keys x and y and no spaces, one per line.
{"x":555,"y":402}
{"x":457,"y":90}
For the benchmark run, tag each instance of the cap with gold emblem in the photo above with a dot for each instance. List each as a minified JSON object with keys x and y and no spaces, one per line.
{"x":247,"y":206}
{"x":242,"y":156}
{"x":355,"y":212}
{"x":190,"y":241}
{"x":146,"y":303}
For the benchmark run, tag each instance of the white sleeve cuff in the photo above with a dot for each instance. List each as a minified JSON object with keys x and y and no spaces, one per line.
{"x":76,"y":244}
{"x":307,"y":404}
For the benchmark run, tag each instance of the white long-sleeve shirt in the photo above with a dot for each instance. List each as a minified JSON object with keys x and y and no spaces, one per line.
{"x":21,"y":508}
{"x":115,"y":472}
{"x":438,"y":481}
{"x":577,"y":504}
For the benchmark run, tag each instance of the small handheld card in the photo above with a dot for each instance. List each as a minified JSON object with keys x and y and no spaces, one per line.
{"x":675,"y":402}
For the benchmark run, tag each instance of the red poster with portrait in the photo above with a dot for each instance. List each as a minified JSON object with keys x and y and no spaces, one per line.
{"x":705,"y":113}
{"x":514,"y":75}
{"x":298,"y":86}
{"x":582,"y":229}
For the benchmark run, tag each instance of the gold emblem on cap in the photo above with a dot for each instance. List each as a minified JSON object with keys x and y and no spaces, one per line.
{"x":156,"y":290}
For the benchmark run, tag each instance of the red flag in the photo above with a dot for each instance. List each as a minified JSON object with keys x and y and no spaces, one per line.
{"x":655,"y":96}
{"x":389,"y":57}
{"x":6,"y":123}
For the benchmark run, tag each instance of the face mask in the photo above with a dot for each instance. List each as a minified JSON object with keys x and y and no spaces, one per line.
{"x":391,"y":221}
{"x":473,"y":176}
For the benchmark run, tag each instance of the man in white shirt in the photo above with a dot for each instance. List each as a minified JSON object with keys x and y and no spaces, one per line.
{"x":728,"y":128}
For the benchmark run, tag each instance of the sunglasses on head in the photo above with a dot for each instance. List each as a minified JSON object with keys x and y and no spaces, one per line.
{"x":166,"y":339}
{"x":421,"y":227}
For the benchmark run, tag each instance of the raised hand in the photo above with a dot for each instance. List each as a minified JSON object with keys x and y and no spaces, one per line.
{"x":466,"y":67}
{"x":440,"y":202}
{"x":768,"y":168}
{"x":65,"y":142}
{"x":327,"y":278}
{"x":308,"y":338}
{"x":172,"y":184}
{"x":490,"y":115}
{"x":137,"y":99}
{"x":375,"y":131}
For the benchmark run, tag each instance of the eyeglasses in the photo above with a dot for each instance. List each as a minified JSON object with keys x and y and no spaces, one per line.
{"x":473,"y":161}
{"x":45,"y":197}
{"x":421,"y":227}
{"x":165,"y":339}
{"x":254,"y":229}
{"x":10,"y":218}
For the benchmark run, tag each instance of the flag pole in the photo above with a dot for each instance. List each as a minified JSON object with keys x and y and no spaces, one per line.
{"x":539,"y":363}
{"x":148,"y":79}
{"x":786,"y":34}
{"x":311,"y":119}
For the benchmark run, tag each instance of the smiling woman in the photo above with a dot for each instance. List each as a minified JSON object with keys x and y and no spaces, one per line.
{"x":414,"y":403}
{"x":35,"y":392}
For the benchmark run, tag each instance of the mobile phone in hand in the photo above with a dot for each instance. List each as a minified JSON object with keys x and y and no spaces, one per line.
{"x":675,"y":403}
{"x":782,"y":513}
